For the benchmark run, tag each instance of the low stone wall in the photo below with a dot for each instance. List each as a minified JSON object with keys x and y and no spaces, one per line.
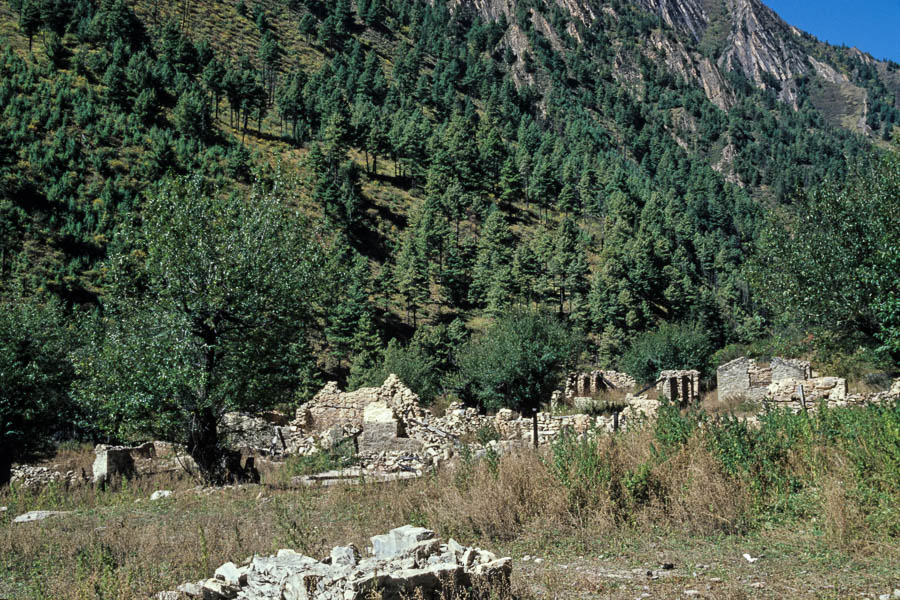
{"x":830,"y":390}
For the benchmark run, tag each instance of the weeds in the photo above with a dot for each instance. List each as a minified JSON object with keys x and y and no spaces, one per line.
{"x":339,"y":456}
{"x":832,"y":474}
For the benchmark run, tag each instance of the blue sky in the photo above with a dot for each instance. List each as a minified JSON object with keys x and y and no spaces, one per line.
{"x":873,"y":26}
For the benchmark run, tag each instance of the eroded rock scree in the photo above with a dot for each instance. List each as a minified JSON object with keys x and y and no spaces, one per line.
{"x":407,"y":562}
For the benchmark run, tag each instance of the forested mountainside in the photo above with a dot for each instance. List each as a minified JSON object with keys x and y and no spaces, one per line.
{"x":613,"y":162}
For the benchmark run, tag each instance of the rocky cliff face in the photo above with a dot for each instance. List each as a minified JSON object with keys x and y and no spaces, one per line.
{"x":714,"y":37}
{"x":761,"y":46}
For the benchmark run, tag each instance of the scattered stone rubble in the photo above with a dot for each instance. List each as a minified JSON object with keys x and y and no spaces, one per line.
{"x":407,"y":562}
{"x":33,"y":477}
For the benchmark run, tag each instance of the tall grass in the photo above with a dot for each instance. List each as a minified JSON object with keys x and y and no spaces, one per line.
{"x":690,"y":472}
{"x":834,"y":474}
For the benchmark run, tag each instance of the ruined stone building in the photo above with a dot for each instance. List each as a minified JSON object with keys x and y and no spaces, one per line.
{"x":745,"y":378}
{"x":682,"y":387}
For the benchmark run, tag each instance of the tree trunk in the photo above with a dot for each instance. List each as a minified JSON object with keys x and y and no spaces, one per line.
{"x":6,"y":452}
{"x":203,"y":445}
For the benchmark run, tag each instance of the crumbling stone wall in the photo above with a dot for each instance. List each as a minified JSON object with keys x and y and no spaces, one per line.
{"x":796,"y":393}
{"x":744,"y":378}
{"x":789,"y":368}
{"x":331,"y":407}
{"x":679,"y":386}
{"x":582,"y":384}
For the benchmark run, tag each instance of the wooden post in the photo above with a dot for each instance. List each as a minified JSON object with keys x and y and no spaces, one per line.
{"x":616,"y":421}
{"x":802,"y":397}
{"x":534,"y":427}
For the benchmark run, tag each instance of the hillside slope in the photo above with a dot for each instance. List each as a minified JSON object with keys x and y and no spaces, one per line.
{"x":608,"y":160}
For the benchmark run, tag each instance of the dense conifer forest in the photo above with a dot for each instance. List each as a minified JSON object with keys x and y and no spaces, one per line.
{"x":429,"y":178}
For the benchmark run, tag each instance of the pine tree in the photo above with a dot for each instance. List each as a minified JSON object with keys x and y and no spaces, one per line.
{"x":511,"y":189}
{"x":492,"y":273}
{"x":411,"y":274}
{"x":30,"y":19}
{"x":352,"y":305}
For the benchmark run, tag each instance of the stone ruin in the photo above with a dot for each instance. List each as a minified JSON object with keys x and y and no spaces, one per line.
{"x":745,"y":378}
{"x":682,"y":387}
{"x":585,"y":384}
{"x":792,"y":384}
{"x":807,"y":393}
{"x":114,"y":462}
{"x":407,"y":562}
{"x":394,"y":435}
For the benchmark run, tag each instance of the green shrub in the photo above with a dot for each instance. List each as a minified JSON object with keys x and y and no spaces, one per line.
{"x":340,"y":456}
{"x":411,"y":364}
{"x":581,"y":468}
{"x":516,"y":362}
{"x":672,"y":346}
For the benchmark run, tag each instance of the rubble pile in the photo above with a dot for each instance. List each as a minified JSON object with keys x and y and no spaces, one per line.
{"x":30,"y":477}
{"x":407,"y":562}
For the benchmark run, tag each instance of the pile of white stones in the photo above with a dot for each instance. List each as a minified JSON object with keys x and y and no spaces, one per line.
{"x":404,"y":563}
{"x":34,"y":477}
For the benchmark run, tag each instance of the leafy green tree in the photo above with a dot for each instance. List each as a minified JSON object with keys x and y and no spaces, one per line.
{"x":516,"y":362}
{"x":411,"y":363}
{"x":208,"y":309}
{"x":35,"y":377}
{"x":829,"y":262}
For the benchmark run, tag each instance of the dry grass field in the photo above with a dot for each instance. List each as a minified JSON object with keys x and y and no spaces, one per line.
{"x":611,"y":519}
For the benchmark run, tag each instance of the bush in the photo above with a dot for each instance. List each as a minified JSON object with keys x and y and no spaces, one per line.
{"x":672,"y":346}
{"x":414,"y":367}
{"x":516,"y":362}
{"x":35,"y":376}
